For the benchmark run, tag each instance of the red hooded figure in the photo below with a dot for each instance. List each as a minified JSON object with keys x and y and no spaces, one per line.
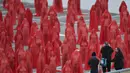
{"x":33,"y":29}
{"x":93,"y":19}
{"x":104,"y":5}
{"x":44,"y":9}
{"x":38,"y":6}
{"x":1,"y":17}
{"x":121,"y":44}
{"x":41,"y":61}
{"x":98,"y":11}
{"x":18,"y":39}
{"x":9,"y":26}
{"x":65,"y":52}
{"x":29,"y":61}
{"x":83,"y":48}
{"x":67,"y":68}
{"x":22,"y":68}
{"x":35,"y":44}
{"x":4,"y":66}
{"x":25,"y":31}
{"x":113,"y":30}
{"x":123,"y":16}
{"x":29,"y":16}
{"x":52,"y":64}
{"x":76,"y":62}
{"x":105,"y":22}
{"x":127,"y":40}
{"x":93,"y":46}
{"x":46,"y":69}
{"x":58,"y":5}
{"x":21,"y":15}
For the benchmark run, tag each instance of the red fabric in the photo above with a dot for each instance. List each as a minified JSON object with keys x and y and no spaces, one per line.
{"x":67,"y":67}
{"x":4,"y":66}
{"x":105,"y":22}
{"x":65,"y":52}
{"x":1,"y":17}
{"x":29,"y":16}
{"x":123,"y":16}
{"x":25,"y":31}
{"x":29,"y":61}
{"x":113,"y":30}
{"x":121,"y":44}
{"x":22,"y":68}
{"x":104,"y":5}
{"x":98,"y":11}
{"x":41,"y":62}
{"x":58,"y":5}
{"x":44,"y":9}
{"x":38,"y":6}
{"x":18,"y":39}
{"x":129,"y":22}
{"x":33,"y":29}
{"x":46,"y":69}
{"x":83,"y":48}
{"x":9,"y":26}
{"x":93,"y":19}
{"x":76,"y":62}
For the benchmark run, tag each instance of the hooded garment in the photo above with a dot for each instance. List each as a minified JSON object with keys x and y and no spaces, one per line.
{"x":18,"y":39}
{"x":98,"y":11}
{"x":104,"y":5}
{"x":38,"y":6}
{"x":33,"y":29}
{"x":29,"y":16}
{"x":41,"y":61}
{"x":44,"y":9}
{"x":105,"y":22}
{"x":58,"y":5}
{"x":67,"y":67}
{"x":121,"y":44}
{"x":4,"y":66}
{"x":127,"y":40}
{"x":22,"y":68}
{"x":123,"y":16}
{"x":46,"y":69}
{"x":93,"y":46}
{"x":113,"y":30}
{"x":76,"y":62}
{"x":83,"y":48}
{"x":1,"y":17}
{"x":21,"y":15}
{"x":25,"y":31}
{"x":9,"y":26}
{"x":35,"y":44}
{"x":65,"y":52}
{"x":29,"y":61}
{"x":93,"y":19}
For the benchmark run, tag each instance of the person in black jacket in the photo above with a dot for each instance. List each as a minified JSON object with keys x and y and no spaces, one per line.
{"x":106,"y":52}
{"x":93,"y":62}
{"x":118,"y":59}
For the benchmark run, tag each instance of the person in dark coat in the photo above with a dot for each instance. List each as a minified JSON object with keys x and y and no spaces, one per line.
{"x":106,"y":52}
{"x":118,"y":59}
{"x":93,"y":62}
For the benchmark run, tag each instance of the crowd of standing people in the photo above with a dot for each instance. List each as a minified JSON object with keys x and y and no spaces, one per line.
{"x":45,"y":49}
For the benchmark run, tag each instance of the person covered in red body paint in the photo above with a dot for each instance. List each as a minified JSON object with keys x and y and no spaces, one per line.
{"x":93,"y":46}
{"x":123,"y":16}
{"x":121,"y":44}
{"x":76,"y":62}
{"x":67,"y":68}
{"x":93,"y":19}
{"x":58,"y":5}
{"x":105,"y":22}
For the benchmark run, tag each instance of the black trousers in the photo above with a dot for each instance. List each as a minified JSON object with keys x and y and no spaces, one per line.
{"x":108,"y":67}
